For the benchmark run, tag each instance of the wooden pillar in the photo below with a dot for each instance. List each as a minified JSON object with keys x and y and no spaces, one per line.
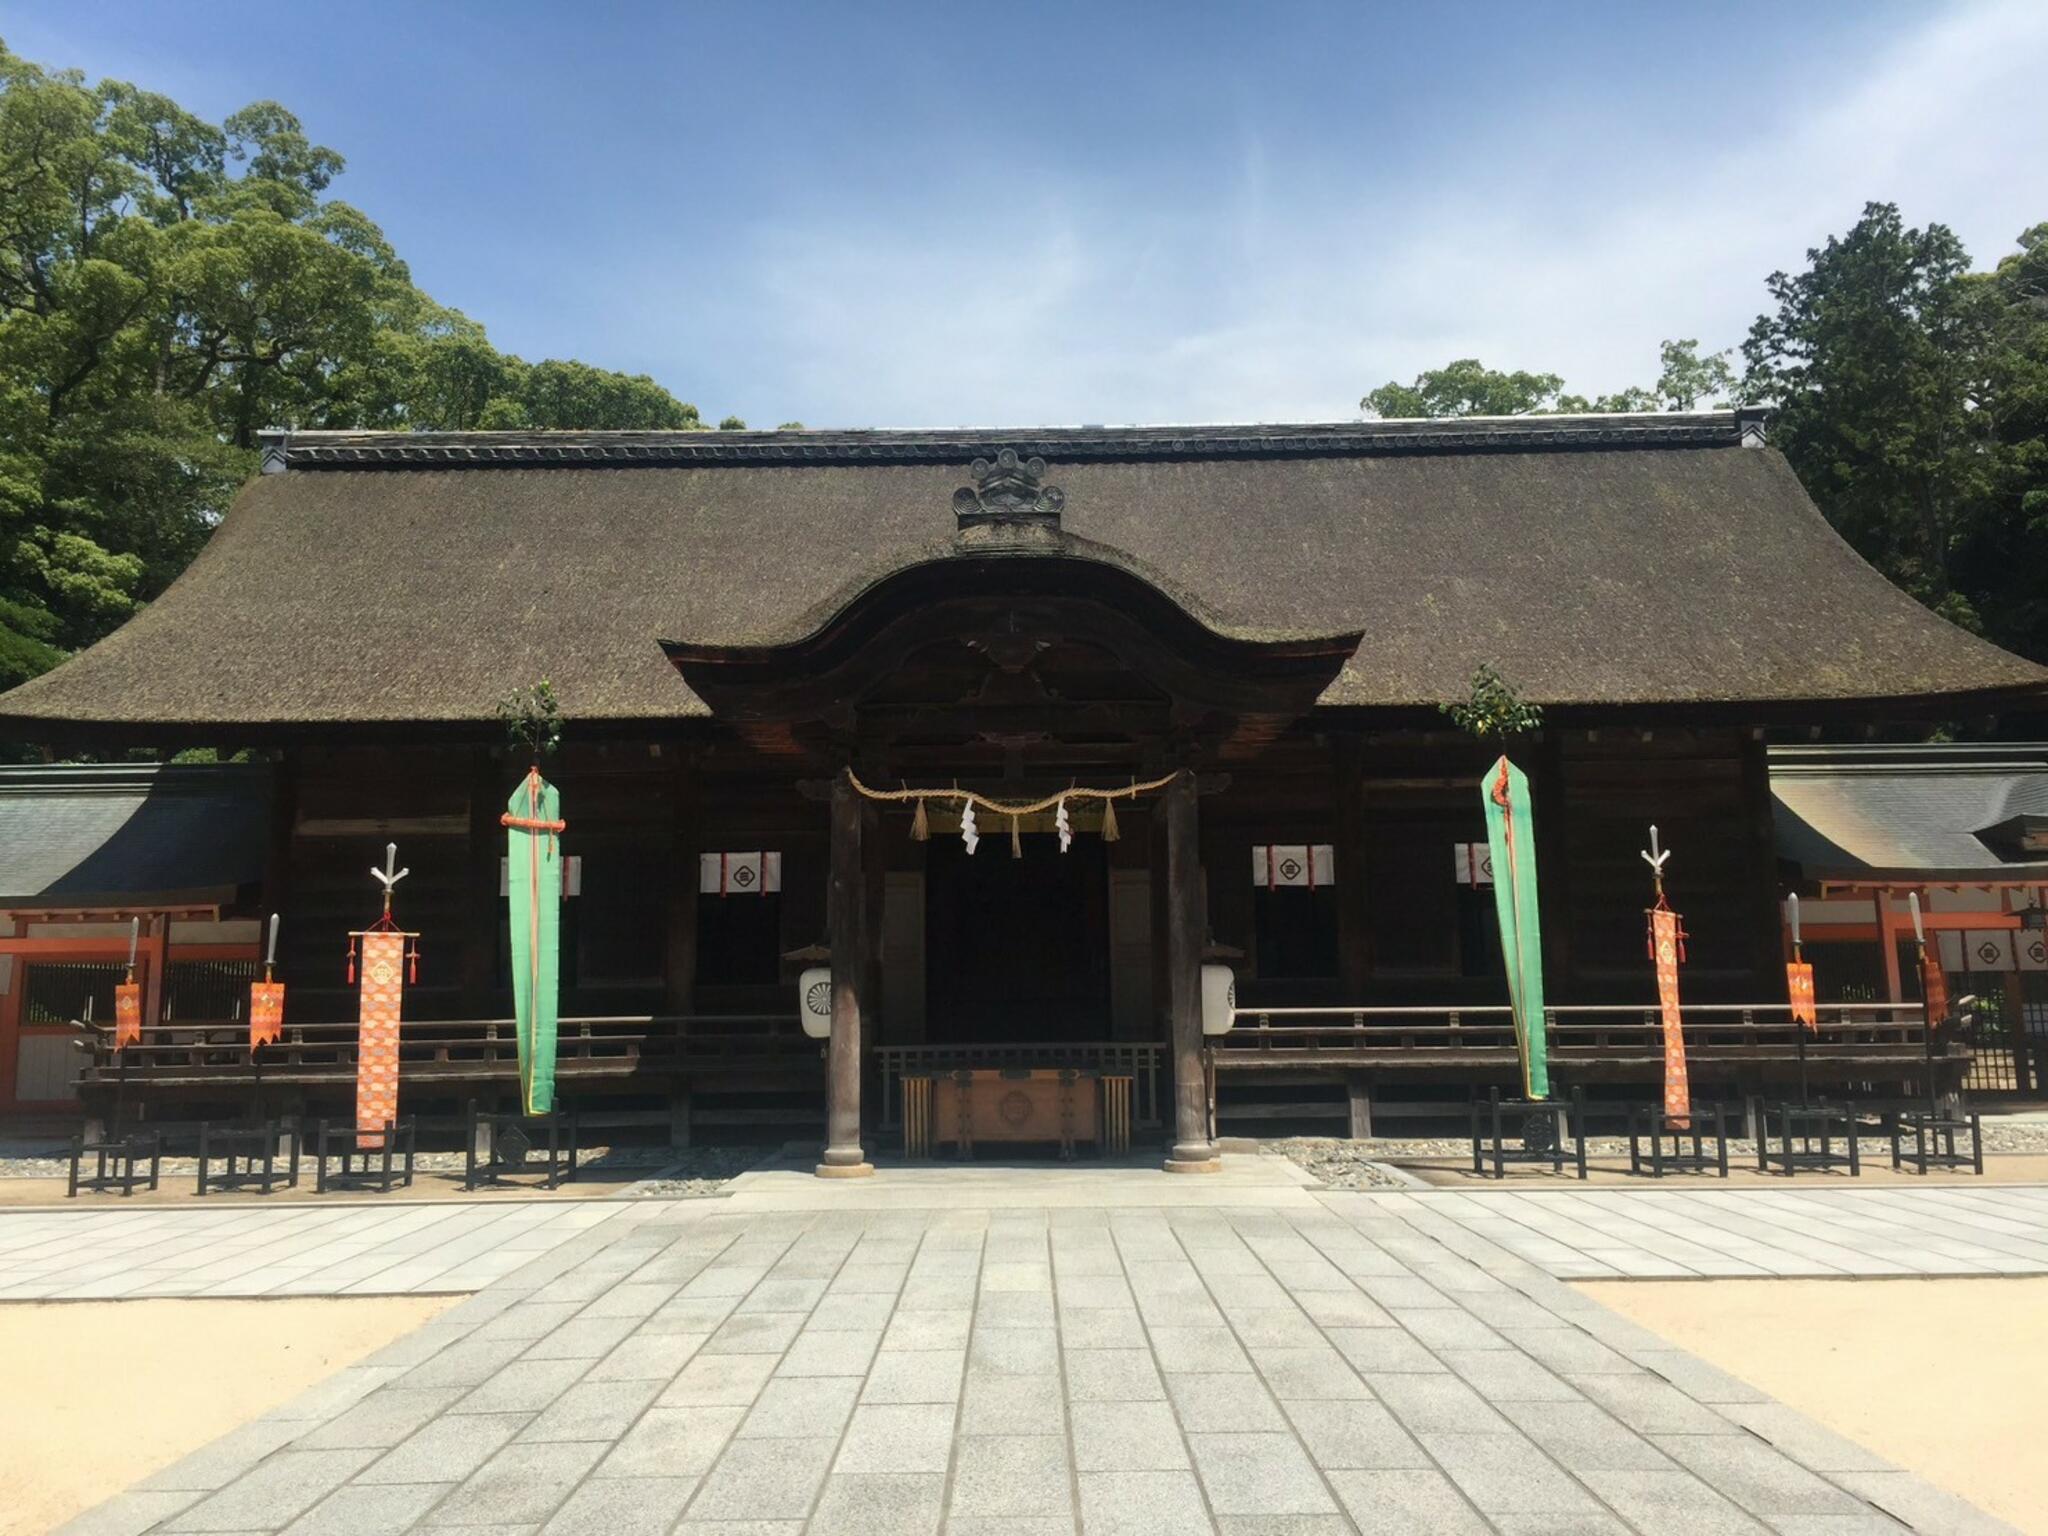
{"x":874,"y":897}
{"x":845,"y":918}
{"x":1193,"y":1151}
{"x":1888,"y":941}
{"x":1767,"y":909}
{"x":156,"y":955}
{"x":284,"y":811}
{"x":1354,"y":905}
{"x":1358,"y":1089}
{"x":479,"y":971}
{"x":1553,"y":857}
{"x":679,"y":965}
{"x":2014,"y":1010}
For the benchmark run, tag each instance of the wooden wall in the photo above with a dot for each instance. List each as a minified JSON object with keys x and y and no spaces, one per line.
{"x":1393,"y":805}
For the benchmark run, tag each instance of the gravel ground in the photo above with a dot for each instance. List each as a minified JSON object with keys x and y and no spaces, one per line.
{"x":1358,"y":1164}
{"x":39,"y":1164}
{"x":1344,"y":1164}
{"x":700,"y":1171}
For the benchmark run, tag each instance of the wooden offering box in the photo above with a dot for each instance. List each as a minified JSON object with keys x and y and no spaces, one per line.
{"x":1014,"y":1106}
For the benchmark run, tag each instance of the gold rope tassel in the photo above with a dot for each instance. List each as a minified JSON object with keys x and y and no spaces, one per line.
{"x":1109,"y":831}
{"x":920,"y":828}
{"x":1016,"y":841}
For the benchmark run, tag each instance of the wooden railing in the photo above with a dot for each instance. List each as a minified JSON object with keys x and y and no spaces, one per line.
{"x":1139,"y":1060}
{"x":458,"y":1050}
{"x":1422,"y":1036}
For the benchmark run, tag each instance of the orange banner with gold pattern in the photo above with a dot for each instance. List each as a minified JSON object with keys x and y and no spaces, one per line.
{"x":1799,"y":986}
{"x":127,"y":1014}
{"x":266,"y":1013}
{"x":377,"y":1036}
{"x":1665,"y":939}
{"x":1933,"y":986}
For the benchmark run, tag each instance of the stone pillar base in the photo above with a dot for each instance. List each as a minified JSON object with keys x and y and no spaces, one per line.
{"x":845,"y":1170}
{"x":1179,"y":1164}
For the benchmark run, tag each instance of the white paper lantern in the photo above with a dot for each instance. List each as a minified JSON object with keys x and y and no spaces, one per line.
{"x":1219,"y":999}
{"x":814,"y":1001}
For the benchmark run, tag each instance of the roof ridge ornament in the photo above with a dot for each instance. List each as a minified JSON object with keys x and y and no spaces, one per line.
{"x":1008,"y":489}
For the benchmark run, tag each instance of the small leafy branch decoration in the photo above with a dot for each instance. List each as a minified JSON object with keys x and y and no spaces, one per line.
{"x":1493,"y":710}
{"x":532,"y":719}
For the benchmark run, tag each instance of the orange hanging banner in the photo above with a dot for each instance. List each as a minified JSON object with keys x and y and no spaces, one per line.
{"x":127,"y":1013}
{"x":383,"y":996}
{"x":1933,"y":987}
{"x":266,"y":1013}
{"x":1667,"y":949}
{"x":1799,"y":985}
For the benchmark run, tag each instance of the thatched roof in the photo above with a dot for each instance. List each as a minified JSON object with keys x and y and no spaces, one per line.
{"x":1622,"y":560}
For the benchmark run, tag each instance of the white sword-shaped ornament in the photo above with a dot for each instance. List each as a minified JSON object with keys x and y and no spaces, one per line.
{"x":1655,"y":858}
{"x":390,"y":874}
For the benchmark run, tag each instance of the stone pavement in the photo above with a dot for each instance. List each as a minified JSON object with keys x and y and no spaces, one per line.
{"x":1816,"y":1226}
{"x":798,"y":1359}
{"x":99,"y":1248}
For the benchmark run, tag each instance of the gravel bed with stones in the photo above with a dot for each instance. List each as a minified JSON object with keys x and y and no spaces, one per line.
{"x":1344,"y":1164}
{"x":699,"y":1171}
{"x":1359,"y":1164}
{"x":588,"y":1160}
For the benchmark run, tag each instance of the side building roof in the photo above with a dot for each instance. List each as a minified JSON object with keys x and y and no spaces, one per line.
{"x":1597,"y":561}
{"x":121,"y":834}
{"x":1938,"y":813}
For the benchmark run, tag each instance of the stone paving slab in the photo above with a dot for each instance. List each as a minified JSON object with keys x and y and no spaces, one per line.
{"x":444,"y":1248}
{"x":1819,"y":1227}
{"x":1307,"y":1366}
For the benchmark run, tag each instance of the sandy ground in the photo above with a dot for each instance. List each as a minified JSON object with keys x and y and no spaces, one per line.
{"x":1948,"y":1378}
{"x":101,"y":1393}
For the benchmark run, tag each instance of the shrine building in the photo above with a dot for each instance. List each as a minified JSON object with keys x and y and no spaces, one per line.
{"x":763,"y":641}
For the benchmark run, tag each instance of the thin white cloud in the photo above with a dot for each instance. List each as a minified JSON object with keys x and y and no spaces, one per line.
{"x":1288,"y":300}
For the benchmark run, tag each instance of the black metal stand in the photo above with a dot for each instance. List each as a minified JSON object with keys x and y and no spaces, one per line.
{"x":512,"y":1148}
{"x":115,"y":1163}
{"x":362,"y":1167}
{"x":1489,"y":1134}
{"x":254,"y":1147}
{"x":1934,"y":1142}
{"x":1689,"y":1151}
{"x":1815,"y":1128}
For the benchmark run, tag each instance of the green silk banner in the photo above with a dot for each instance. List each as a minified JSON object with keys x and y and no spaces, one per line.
{"x":533,"y":851}
{"x":1511,"y":839}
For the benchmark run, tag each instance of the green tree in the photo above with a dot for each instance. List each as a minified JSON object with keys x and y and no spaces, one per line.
{"x":1468,"y":387}
{"x":1465,"y":388}
{"x":1881,"y":359}
{"x":168,"y":289}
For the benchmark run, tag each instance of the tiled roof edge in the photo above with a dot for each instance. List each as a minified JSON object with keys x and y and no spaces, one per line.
{"x":442,"y":450}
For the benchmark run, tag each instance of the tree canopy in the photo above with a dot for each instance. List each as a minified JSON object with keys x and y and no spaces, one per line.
{"x":1468,"y":387}
{"x":1911,"y":397}
{"x":169,"y":287}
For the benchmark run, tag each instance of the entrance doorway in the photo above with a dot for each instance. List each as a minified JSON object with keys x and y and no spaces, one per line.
{"x":1016,"y":950}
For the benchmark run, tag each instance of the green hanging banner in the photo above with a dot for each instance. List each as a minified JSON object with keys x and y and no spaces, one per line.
{"x":1511,"y":840}
{"x":533,"y":848}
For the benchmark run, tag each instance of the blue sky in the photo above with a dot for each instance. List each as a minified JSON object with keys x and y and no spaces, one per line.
{"x":956,"y":214}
